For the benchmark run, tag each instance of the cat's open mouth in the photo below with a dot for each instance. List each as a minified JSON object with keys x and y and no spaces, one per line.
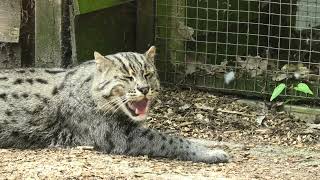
{"x":138,"y":108}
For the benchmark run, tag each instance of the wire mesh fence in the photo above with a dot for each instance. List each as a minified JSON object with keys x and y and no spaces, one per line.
{"x":247,"y":46}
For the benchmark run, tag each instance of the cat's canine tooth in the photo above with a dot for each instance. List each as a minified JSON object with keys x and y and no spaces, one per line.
{"x":69,"y":107}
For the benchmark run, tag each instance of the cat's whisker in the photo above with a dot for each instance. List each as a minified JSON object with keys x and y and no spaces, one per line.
{"x":117,"y":101}
{"x":110,"y":104}
{"x":119,"y":107}
{"x":114,"y":110}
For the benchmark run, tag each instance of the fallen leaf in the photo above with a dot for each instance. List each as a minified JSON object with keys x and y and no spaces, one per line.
{"x":260,"y":119}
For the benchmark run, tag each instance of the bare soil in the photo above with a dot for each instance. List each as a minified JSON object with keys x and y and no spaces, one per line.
{"x":263,"y":143}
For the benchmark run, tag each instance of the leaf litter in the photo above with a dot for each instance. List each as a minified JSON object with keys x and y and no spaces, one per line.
{"x":263,"y":144}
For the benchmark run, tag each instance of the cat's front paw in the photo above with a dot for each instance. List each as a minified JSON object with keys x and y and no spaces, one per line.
{"x":213,"y":156}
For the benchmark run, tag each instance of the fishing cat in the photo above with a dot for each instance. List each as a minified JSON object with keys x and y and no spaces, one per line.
{"x":99,"y":103}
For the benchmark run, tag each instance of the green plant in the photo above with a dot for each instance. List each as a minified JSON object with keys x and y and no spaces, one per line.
{"x":301,"y":87}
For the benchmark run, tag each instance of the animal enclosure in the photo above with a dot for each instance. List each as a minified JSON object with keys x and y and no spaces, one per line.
{"x":243,"y":46}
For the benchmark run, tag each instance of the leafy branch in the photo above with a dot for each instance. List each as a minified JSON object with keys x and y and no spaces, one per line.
{"x":301,"y":87}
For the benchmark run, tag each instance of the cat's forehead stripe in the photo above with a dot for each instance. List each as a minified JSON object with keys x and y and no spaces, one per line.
{"x":117,"y":59}
{"x":121,"y":61}
{"x":133,"y":68}
{"x":139,"y":59}
{"x":129,"y":61}
{"x":133,"y":59}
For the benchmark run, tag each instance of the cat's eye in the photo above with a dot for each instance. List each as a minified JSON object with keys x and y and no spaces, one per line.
{"x":129,"y":78}
{"x":147,"y":75}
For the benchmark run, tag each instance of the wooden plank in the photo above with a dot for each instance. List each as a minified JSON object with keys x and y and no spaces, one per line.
{"x":48,"y":33}
{"x":107,"y":31}
{"x":10,"y":18}
{"x":145,"y":25}
{"x":87,"y":6}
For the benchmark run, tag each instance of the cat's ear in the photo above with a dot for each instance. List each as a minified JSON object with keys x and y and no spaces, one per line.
{"x":151,"y":53}
{"x":102,"y":62}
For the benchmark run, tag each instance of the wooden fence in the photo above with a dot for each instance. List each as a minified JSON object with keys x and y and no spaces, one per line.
{"x":61,"y":33}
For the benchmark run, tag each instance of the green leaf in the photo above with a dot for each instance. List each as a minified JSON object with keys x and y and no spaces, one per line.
{"x":277,"y":91}
{"x":302,"y":87}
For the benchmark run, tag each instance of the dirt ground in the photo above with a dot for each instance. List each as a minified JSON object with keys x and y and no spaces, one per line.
{"x":263,"y":143}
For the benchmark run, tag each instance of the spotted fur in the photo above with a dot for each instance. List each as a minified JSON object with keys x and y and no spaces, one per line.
{"x":99,"y":103}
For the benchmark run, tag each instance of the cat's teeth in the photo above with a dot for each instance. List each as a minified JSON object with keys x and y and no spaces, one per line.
{"x":141,"y":111}
{"x":131,"y":106}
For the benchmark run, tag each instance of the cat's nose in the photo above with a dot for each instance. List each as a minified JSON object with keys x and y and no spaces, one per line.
{"x":144,"y":89}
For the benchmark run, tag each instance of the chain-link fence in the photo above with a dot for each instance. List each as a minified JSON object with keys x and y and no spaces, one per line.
{"x":247,"y":46}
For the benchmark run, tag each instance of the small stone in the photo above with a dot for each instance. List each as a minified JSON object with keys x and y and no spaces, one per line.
{"x":199,"y":117}
{"x":185,"y":107}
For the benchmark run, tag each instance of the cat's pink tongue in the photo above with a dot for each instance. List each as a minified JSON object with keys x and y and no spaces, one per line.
{"x":141,"y":107}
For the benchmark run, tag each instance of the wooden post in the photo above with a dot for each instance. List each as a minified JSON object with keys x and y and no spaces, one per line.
{"x":175,"y":42}
{"x":48,"y":33}
{"x":72,"y":12}
{"x":10,"y":20}
{"x":145,"y":25}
